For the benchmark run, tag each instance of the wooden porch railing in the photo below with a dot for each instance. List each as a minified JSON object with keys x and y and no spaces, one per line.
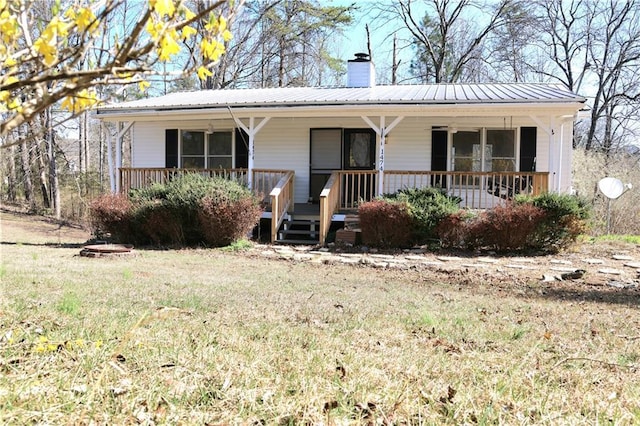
{"x":264,"y":180}
{"x":329,"y":204}
{"x":282,"y":197}
{"x":478,"y":190}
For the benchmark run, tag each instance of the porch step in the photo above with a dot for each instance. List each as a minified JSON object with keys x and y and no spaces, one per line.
{"x":298,"y":231}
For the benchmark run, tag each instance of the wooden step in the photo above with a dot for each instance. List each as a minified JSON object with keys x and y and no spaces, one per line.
{"x":294,"y":231}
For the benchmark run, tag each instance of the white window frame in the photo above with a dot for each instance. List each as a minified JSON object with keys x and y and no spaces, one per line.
{"x":483,"y":143}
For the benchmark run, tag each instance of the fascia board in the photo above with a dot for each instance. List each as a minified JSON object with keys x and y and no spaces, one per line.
{"x":415,"y":110}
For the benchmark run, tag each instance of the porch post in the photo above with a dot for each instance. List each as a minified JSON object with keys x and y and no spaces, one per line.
{"x":252,"y":131}
{"x":112,"y":180}
{"x":119,"y":137}
{"x":383,"y":137}
{"x":382,"y":131}
{"x":250,"y":154}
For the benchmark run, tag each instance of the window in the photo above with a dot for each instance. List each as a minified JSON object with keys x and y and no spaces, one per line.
{"x":192,"y":150}
{"x":496,"y":153}
{"x":500,"y":154}
{"x":220,"y":151}
{"x":216,"y":153}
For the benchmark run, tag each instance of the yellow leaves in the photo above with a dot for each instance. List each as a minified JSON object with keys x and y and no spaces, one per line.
{"x":203,"y":73}
{"x":188,"y":32}
{"x":163,"y":7}
{"x":143,"y":85}
{"x":47,"y":49}
{"x":168,"y":46}
{"x":8,"y":26}
{"x":83,"y":100}
{"x":84,"y":19}
{"x":212,"y":49}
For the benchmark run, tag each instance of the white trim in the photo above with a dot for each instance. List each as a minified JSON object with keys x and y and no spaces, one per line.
{"x":252,"y":130}
{"x":455,"y":110}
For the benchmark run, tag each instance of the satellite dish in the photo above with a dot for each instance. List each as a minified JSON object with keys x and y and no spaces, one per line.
{"x":612,"y":188}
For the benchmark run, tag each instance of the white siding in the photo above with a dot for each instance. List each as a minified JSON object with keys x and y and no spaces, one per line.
{"x":283,"y":143}
{"x":147,"y":149}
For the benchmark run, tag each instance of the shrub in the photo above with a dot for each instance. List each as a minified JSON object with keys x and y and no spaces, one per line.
{"x":111,"y":215}
{"x":385,"y":224}
{"x":225,"y":221}
{"x":508,"y":227}
{"x":427,"y":207}
{"x":457,"y":230}
{"x":189,"y":210}
{"x":565,"y":218}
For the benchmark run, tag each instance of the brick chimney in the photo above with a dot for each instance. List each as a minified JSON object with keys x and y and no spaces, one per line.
{"x":361,"y":72}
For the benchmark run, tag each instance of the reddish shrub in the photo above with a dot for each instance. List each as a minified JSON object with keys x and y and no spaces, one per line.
{"x":159,"y":225}
{"x":224,"y":221}
{"x":457,"y":230}
{"x":386,"y":224}
{"x":508,"y":227}
{"x":111,"y":215}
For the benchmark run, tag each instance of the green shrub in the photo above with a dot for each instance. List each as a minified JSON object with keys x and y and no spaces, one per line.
{"x":427,"y":207}
{"x":565,"y":218}
{"x":385,"y":224}
{"x":548,"y":222}
{"x":189,"y":210}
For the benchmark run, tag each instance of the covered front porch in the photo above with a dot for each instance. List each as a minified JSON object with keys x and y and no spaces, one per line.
{"x":346,"y":189}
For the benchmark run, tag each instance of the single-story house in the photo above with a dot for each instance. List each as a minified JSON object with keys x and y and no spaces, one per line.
{"x":316,"y":152}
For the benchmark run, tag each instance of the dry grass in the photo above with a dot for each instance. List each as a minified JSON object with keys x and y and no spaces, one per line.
{"x":208,"y":336}
{"x":588,"y":169}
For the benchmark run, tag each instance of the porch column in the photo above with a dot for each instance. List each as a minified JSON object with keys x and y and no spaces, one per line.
{"x":112,"y":178}
{"x":252,"y":131}
{"x":382,"y":131}
{"x":119,"y":136}
{"x":549,"y":129}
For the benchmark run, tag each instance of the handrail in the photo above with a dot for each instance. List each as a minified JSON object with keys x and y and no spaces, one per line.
{"x":329,"y":203}
{"x":282,"y":196}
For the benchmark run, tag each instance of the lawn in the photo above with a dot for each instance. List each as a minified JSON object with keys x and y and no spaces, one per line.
{"x":217,"y":337}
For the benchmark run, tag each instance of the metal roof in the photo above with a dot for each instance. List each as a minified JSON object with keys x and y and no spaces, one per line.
{"x":435,"y":94}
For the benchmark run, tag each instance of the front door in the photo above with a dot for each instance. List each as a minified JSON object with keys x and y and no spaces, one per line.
{"x":359,"y":155}
{"x":342,"y":149}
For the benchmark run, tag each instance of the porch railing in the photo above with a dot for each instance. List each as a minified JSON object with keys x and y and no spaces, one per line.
{"x":477,"y":190}
{"x":282,"y":196}
{"x":264,"y":180}
{"x":329,"y":204}
{"x":140,"y":177}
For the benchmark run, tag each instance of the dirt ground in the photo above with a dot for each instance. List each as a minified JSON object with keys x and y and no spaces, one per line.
{"x":606,"y":271}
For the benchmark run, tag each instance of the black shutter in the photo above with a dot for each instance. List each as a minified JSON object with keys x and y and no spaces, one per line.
{"x":171,"y":148}
{"x":438,"y":156}
{"x":528,"y":139}
{"x":242,"y":149}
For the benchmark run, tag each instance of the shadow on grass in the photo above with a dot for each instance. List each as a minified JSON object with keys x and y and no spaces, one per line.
{"x":600,"y":294}
{"x":56,"y":245}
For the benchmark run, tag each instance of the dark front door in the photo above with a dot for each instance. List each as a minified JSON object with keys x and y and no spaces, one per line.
{"x":359,"y":154}
{"x":359,"y":149}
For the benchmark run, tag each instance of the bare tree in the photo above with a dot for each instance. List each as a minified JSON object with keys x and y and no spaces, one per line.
{"x":448,"y":42}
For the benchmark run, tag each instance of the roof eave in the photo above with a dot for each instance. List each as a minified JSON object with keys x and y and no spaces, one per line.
{"x":351,"y":109}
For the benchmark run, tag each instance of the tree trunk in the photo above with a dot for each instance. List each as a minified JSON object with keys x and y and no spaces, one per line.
{"x":42,"y":168}
{"x":11,"y":178}
{"x":53,"y":169}
{"x":26,"y":172}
